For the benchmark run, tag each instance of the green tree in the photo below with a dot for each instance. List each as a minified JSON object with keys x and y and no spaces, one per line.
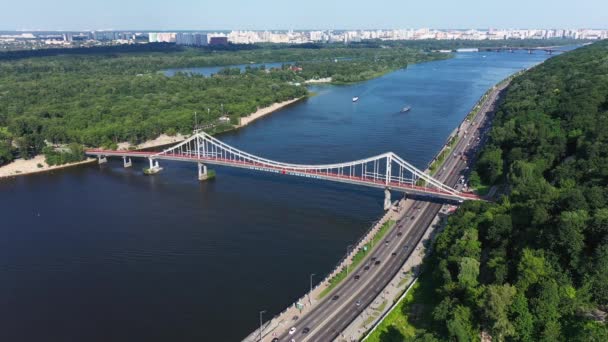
{"x":490,"y":165}
{"x":497,"y":302}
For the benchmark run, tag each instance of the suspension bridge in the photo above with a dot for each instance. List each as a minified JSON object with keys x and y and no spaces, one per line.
{"x":386,"y":171}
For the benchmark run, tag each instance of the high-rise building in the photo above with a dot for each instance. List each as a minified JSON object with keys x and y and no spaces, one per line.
{"x":191,"y":39}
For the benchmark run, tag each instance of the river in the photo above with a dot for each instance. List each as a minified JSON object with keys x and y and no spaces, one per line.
{"x":102,"y":253}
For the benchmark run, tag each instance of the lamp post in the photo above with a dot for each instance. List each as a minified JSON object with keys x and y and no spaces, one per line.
{"x":310,"y":292}
{"x":261,"y":313}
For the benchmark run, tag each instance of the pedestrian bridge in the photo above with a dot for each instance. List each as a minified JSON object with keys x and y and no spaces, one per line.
{"x":385,"y":171}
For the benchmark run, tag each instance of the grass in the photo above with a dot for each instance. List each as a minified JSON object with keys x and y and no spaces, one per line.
{"x":414,"y":312}
{"x":375,"y":314}
{"x":442,"y":155}
{"x":405,"y":280}
{"x":357,"y":258}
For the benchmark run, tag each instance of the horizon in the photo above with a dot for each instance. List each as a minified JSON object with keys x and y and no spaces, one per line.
{"x":305,"y":30}
{"x":188,"y":15}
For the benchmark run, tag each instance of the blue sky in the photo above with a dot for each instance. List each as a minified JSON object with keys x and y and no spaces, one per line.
{"x":302,"y":14}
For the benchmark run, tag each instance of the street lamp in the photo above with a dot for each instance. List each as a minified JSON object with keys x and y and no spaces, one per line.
{"x":261,"y":313}
{"x":310,"y":293}
{"x":347,"y":248}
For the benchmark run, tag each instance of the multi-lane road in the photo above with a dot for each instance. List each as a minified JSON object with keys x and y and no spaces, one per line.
{"x":334,"y":313}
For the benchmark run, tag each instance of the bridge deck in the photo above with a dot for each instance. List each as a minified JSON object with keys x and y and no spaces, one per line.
{"x":331,"y":176}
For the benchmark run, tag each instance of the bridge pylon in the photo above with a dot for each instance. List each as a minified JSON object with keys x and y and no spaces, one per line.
{"x":387,"y":199}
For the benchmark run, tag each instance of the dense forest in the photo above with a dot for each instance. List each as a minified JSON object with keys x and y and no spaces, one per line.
{"x":106,"y":98}
{"x":532,"y":266}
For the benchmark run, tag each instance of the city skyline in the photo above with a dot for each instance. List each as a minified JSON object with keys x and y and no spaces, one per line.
{"x":71,"y":15}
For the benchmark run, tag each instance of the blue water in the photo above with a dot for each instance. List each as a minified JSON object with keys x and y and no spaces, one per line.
{"x":102,"y":253}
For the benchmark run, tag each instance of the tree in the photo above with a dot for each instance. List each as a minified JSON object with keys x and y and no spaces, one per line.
{"x":469,"y":271}
{"x":497,"y":302}
{"x":523,"y":321}
{"x":531,"y":269}
{"x":489,"y":165}
{"x":460,"y":326}
{"x":474,"y":179}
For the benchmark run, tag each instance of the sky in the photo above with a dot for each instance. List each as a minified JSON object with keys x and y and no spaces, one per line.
{"x":302,"y":14}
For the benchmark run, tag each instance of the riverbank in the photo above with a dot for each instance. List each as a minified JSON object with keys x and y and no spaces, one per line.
{"x":319,"y":80}
{"x":161,"y":140}
{"x":37,"y":164}
{"x":261,"y":112}
{"x":406,"y":304}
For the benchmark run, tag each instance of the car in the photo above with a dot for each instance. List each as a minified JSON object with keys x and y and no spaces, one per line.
{"x":386,"y":242}
{"x":374,"y":258}
{"x":366,"y":268}
{"x":413,"y":217}
{"x":305,"y":330}
{"x":377,"y":262}
{"x":394,"y":254}
{"x":399,"y":233}
{"x":295,"y":318}
{"x":276,"y":339}
{"x":358,"y":303}
{"x":335,"y":297}
{"x":292,"y":330}
{"x":357,"y":277}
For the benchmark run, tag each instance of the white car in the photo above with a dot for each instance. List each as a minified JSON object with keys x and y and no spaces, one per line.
{"x":292,"y":330}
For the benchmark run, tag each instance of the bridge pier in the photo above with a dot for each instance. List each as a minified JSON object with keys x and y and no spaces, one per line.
{"x":203,"y":173}
{"x":154,"y":167}
{"x":127,"y":161}
{"x":102,"y":159}
{"x":387,"y":199}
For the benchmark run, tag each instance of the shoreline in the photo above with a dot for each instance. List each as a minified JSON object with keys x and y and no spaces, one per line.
{"x":261,"y":112}
{"x":274,"y":325}
{"x":22,"y":167}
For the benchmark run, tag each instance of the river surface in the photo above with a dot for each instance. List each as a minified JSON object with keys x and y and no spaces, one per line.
{"x":102,"y":253}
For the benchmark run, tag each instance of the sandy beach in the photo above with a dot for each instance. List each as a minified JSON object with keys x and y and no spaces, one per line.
{"x":265,"y":111}
{"x":25,"y":167}
{"x":319,"y":80}
{"x":162,"y":140}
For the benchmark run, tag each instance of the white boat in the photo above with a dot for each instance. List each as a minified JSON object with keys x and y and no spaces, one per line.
{"x":356,"y":98}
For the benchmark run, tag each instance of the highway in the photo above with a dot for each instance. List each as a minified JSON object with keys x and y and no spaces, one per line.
{"x":332,"y":315}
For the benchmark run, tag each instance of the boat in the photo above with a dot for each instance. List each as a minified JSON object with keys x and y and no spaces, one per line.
{"x":406,"y":109}
{"x":356,"y":98}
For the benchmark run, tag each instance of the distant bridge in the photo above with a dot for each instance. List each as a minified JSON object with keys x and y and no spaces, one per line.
{"x":549,"y":49}
{"x":386,"y":171}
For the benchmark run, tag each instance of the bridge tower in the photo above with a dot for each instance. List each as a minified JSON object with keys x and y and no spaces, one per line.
{"x":387,"y":199}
